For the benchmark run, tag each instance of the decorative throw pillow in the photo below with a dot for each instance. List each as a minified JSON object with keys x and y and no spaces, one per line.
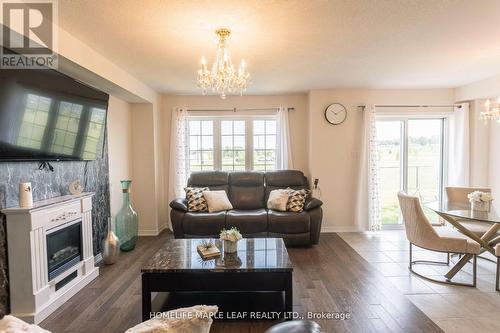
{"x":197,"y":319}
{"x":196,"y":200}
{"x":217,"y":201}
{"x":278,"y":199}
{"x":12,"y":324}
{"x":296,"y":200}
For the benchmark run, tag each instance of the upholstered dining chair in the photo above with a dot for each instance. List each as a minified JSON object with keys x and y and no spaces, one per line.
{"x":459,"y":195}
{"x":421,"y":233}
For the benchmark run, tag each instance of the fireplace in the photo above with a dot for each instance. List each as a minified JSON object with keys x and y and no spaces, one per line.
{"x":64,"y":248}
{"x":50,"y":254}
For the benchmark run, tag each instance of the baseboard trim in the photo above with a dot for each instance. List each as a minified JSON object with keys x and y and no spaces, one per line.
{"x":152,"y":232}
{"x":338,"y":229}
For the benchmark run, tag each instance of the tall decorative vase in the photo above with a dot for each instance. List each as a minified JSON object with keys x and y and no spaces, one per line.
{"x":110,"y":246}
{"x":127,"y":221}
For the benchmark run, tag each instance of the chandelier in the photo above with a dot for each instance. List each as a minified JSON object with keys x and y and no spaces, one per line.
{"x":223,"y":78}
{"x":492,"y":111}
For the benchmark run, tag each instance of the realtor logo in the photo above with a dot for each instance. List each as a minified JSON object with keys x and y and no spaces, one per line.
{"x":29,"y":34}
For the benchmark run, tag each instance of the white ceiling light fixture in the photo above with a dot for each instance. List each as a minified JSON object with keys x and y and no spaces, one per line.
{"x":492,"y":111}
{"x":223,"y":78}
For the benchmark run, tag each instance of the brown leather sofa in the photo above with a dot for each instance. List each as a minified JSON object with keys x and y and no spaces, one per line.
{"x":248,"y":193}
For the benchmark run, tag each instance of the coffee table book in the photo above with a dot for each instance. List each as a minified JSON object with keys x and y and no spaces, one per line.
{"x":208,"y":253}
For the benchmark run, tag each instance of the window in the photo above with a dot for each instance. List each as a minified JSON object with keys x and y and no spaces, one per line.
{"x":233,"y":144}
{"x":411,"y":155}
{"x":264,"y":149}
{"x":201,"y":145}
{"x":227,"y":143}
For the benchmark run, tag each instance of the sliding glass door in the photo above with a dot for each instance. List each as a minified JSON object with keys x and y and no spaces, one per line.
{"x":411,"y":158}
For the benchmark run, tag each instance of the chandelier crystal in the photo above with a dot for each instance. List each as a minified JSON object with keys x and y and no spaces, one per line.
{"x":492,"y":111}
{"x":223,"y":78}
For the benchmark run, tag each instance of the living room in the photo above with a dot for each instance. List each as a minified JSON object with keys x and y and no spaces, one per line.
{"x":338,"y":157}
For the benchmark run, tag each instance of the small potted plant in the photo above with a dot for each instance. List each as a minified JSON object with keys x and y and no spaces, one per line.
{"x":230,"y":238}
{"x":480,"y":201}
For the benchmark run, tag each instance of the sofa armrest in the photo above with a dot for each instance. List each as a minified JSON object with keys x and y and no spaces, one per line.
{"x":179,"y":204}
{"x":312,"y":203}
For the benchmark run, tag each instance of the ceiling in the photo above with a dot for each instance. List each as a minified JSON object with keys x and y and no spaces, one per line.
{"x":296,"y":46}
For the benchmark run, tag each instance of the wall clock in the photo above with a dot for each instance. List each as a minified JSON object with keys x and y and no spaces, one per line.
{"x":336,"y":114}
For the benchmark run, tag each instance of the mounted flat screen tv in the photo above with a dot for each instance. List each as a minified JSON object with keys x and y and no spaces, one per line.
{"x":48,"y":116}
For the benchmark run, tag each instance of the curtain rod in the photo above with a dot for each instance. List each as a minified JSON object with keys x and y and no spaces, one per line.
{"x":414,"y":106}
{"x":239,"y":109}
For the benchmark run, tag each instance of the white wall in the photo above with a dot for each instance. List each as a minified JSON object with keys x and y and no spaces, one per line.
{"x":144,"y":185}
{"x":86,"y":64}
{"x":479,"y":146}
{"x":486,"y":147}
{"x":334,"y":150}
{"x":119,"y":149}
{"x":330,"y":153}
{"x":494,"y":163}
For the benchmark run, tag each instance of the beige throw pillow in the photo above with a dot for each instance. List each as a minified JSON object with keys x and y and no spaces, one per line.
{"x":185,"y":320}
{"x":217,"y":201}
{"x":11,"y":324}
{"x":278,"y":199}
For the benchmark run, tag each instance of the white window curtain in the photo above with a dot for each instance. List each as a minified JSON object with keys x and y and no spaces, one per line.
{"x":367,"y":215}
{"x":178,"y":172}
{"x":285,"y":161}
{"x":459,"y":158}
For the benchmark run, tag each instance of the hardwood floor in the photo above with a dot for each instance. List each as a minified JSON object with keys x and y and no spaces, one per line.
{"x":329,"y":277}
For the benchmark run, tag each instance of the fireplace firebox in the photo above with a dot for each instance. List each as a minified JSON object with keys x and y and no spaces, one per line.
{"x":64,"y":248}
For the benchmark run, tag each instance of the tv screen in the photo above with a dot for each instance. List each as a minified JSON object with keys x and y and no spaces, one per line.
{"x":48,"y":116}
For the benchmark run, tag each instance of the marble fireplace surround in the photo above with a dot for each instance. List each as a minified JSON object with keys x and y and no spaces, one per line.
{"x":46,"y":185}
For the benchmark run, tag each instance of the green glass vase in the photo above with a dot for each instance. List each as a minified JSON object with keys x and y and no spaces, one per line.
{"x":127,"y":221}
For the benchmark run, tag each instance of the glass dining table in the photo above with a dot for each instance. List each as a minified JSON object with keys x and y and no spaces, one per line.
{"x":458,"y":213}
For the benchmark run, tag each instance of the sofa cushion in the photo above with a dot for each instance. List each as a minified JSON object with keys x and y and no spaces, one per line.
{"x":214,"y":180}
{"x":204,"y":223}
{"x":246,"y":190}
{"x":283,"y":179}
{"x":288,"y":222}
{"x":247,"y":221}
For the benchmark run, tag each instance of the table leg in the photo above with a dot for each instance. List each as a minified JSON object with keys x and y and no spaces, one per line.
{"x":146,"y":299}
{"x":458,"y":266}
{"x":483,"y":241}
{"x":289,"y":297}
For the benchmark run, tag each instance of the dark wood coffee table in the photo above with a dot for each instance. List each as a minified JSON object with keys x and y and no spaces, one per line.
{"x":260,"y":265}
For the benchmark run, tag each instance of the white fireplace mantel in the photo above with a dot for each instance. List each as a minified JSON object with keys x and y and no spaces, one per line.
{"x":32,"y":296}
